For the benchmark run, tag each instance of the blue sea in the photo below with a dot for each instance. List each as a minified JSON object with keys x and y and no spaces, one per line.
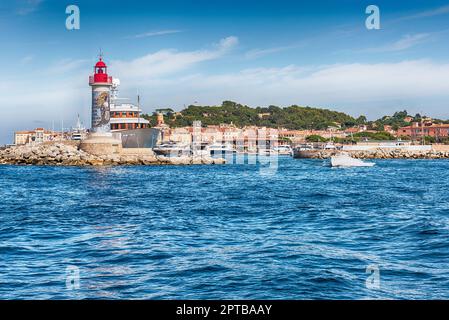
{"x":301,"y":230}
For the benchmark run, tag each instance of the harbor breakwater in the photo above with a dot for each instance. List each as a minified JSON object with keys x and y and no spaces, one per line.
{"x":70,"y":155}
{"x":378,"y":153}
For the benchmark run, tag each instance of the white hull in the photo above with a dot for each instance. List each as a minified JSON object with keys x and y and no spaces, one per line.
{"x":347,"y":161}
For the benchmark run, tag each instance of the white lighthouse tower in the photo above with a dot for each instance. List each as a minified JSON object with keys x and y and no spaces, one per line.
{"x":100,"y":140}
{"x":101,"y":85}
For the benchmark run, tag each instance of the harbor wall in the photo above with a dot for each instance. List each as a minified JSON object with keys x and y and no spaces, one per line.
{"x":440,"y":147}
{"x":417,"y":148}
{"x":379,"y":153}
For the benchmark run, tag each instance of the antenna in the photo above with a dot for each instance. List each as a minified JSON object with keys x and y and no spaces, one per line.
{"x":78,"y":123}
{"x":138,"y":109}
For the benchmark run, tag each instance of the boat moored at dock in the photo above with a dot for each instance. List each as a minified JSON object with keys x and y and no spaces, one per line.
{"x":283,"y":150}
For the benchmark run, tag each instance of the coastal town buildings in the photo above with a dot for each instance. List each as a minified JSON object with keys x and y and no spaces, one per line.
{"x":36,"y":136}
{"x":299,"y":136}
{"x":249,"y":138}
{"x":419,"y":129}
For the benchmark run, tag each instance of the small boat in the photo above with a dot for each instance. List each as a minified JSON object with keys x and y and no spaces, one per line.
{"x":345,"y":160}
{"x":329,"y":146}
{"x":283,"y":150}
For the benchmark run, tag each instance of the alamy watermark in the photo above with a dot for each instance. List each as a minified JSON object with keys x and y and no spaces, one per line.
{"x":373,"y":279}
{"x":372,"y":22}
{"x":72,"y":22}
{"x":72,"y":278}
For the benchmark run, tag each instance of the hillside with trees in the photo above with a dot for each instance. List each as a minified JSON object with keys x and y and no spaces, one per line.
{"x":293,"y":117}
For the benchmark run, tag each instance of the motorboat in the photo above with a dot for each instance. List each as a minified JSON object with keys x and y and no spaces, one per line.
{"x":329,"y":146}
{"x":283,"y":150}
{"x":173,"y":149}
{"x":345,"y":160}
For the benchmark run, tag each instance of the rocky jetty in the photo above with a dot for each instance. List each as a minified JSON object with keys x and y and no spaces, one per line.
{"x":382,"y":153}
{"x":60,"y":154}
{"x":400,"y":154}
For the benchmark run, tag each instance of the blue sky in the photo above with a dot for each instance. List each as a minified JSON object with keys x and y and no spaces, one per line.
{"x":174,"y":53}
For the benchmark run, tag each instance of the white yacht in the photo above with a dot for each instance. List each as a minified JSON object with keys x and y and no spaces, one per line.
{"x":284,"y":150}
{"x":345,"y":160}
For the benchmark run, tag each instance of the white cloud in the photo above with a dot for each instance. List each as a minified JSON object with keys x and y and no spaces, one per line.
{"x":409,"y":41}
{"x":426,"y":14}
{"x":28,"y":6}
{"x":27,"y":59}
{"x":227,"y":43}
{"x":155,"y":33}
{"x":256,"y":53}
{"x":406,"y":42}
{"x":165,"y":62}
{"x":373,"y":89}
{"x":65,"y":66}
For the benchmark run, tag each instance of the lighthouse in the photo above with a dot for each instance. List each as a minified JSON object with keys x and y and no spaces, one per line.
{"x":101,"y":84}
{"x":100,"y":140}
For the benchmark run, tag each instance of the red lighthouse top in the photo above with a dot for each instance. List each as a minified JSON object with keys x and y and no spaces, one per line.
{"x":100,"y":73}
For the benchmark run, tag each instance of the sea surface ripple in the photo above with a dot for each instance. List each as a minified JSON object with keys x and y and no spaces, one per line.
{"x":307,"y":231}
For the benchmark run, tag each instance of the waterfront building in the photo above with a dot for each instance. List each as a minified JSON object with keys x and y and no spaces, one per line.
{"x":419,"y":129}
{"x":299,"y":136}
{"x":180,"y":135}
{"x":124,"y":115}
{"x":36,"y":136}
{"x":160,"y":120}
{"x":249,"y":138}
{"x":166,"y":111}
{"x":390,"y":130}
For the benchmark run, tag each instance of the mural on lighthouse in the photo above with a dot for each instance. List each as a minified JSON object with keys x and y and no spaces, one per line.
{"x":101,"y":84}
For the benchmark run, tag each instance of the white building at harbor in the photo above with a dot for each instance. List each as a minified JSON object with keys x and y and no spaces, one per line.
{"x":125,"y":115}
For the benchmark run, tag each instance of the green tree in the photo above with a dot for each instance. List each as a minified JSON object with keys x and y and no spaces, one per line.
{"x":315,"y":138}
{"x":361,"y":120}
